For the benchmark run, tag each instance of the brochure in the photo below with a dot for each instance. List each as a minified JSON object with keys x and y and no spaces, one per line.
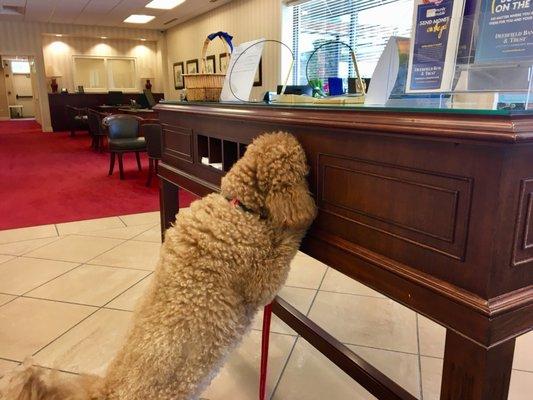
{"x":506,"y":31}
{"x":436,"y":31}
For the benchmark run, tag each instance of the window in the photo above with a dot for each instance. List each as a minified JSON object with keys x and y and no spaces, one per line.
{"x":121,"y":74}
{"x":20,"y":67}
{"x":90,"y":73}
{"x":365,"y":25}
{"x":101,"y":74}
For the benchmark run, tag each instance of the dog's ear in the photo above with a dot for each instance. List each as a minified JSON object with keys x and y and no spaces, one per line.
{"x":281,"y":174}
{"x":241,"y":183}
{"x":291,"y":207}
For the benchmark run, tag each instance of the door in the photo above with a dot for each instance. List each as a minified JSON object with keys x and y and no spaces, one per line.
{"x":4,"y":109}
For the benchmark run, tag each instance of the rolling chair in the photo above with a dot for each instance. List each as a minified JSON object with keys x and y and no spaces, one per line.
{"x":96,"y":130}
{"x":123,"y":137}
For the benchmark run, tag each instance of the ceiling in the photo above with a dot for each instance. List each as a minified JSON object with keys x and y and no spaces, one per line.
{"x":102,"y":12}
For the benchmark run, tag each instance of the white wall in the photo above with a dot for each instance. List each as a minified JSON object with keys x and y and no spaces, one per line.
{"x":59,"y":52}
{"x":245,"y":20}
{"x":26,"y":39}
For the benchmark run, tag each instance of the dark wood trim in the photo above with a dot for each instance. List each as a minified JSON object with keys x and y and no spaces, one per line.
{"x":356,"y":367}
{"x":169,"y":201}
{"x":430,"y":209}
{"x":486,"y":376}
{"x":492,"y":128}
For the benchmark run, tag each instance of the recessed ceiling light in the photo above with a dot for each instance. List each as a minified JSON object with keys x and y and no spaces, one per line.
{"x":58,"y":35}
{"x":142,"y":39}
{"x":164,"y":4}
{"x":139,"y":19}
{"x":103,"y":37}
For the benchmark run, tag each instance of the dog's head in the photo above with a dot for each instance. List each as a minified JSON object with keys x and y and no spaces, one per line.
{"x":270,"y":179}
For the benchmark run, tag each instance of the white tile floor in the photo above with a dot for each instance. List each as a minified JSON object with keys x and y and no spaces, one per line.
{"x":67,"y":292}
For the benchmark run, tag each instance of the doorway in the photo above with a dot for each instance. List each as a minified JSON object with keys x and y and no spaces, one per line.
{"x":18,"y":88}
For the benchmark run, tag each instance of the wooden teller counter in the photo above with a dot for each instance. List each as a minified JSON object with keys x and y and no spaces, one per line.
{"x":432,"y":208}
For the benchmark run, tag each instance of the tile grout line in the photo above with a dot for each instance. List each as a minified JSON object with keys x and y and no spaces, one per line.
{"x":9,"y":359}
{"x":78,"y":264}
{"x":18,"y":296}
{"x":27,"y":240}
{"x":87,"y":317}
{"x":87,"y":263}
{"x":121,"y":220}
{"x":91,"y":314}
{"x":420,"y":386}
{"x":523,"y":370}
{"x":36,"y":248}
{"x":298,"y":336}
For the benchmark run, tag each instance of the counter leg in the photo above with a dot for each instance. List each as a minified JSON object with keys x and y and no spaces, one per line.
{"x":473,"y":372}
{"x":168,"y":203}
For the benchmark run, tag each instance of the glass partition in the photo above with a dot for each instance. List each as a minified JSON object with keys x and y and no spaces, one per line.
{"x":101,"y":74}
{"x":90,"y":73}
{"x":436,"y":54}
{"x":121,"y":73}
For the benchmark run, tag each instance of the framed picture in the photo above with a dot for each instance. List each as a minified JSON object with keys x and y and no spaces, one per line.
{"x":223,"y":60}
{"x":178,"y":75}
{"x":192,"y":66}
{"x":211,"y":64}
{"x":258,"y":80}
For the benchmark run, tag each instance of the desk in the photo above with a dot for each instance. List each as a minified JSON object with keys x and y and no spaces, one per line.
{"x":148,"y":116}
{"x":58,"y":102}
{"x":432,"y":208}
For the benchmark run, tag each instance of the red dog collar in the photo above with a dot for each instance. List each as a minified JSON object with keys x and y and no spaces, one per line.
{"x":235,"y":202}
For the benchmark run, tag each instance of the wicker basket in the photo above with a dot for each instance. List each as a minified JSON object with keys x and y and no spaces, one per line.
{"x":204,"y":86}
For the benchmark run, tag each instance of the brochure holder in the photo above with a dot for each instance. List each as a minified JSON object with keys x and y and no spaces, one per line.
{"x":490,"y":59}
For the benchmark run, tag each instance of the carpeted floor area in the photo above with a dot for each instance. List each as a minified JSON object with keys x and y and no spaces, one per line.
{"x":52,"y":178}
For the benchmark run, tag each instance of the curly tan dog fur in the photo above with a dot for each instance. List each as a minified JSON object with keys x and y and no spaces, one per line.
{"x":217,"y":266}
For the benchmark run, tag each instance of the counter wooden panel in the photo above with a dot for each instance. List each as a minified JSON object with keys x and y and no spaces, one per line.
{"x":434,"y":210}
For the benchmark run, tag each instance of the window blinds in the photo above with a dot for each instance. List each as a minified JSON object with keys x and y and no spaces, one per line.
{"x":365,"y":25}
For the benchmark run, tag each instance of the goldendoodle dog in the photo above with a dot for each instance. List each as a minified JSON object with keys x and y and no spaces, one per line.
{"x":225,"y":257}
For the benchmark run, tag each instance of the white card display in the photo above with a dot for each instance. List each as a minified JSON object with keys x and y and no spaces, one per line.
{"x":241,"y":71}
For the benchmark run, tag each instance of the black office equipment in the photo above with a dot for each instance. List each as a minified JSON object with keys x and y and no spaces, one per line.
{"x":142,"y":101}
{"x":115,"y":98}
{"x":149,"y":97}
{"x":296,"y":89}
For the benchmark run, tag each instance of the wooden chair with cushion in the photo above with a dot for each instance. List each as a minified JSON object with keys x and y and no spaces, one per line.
{"x":77,"y":119}
{"x":123,"y":137}
{"x":96,"y":130}
{"x":153,"y":134}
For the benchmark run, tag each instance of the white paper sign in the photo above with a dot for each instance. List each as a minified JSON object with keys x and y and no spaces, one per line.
{"x":241,"y":72}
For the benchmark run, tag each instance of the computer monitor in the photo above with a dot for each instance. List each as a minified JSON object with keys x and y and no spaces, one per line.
{"x":149,"y":98}
{"x":142,"y":101}
{"x":115,"y":98}
{"x":296,"y":89}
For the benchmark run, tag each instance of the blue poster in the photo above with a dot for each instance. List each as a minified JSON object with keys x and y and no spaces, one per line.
{"x":506,"y":31}
{"x":430,"y":44}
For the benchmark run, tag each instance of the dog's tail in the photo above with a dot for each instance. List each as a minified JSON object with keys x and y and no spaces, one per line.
{"x":29,"y":382}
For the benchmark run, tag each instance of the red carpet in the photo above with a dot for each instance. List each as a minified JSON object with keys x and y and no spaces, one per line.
{"x":51,"y":178}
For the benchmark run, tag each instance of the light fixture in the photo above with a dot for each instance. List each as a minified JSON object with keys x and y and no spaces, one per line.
{"x":58,"y":35}
{"x":164,"y":4}
{"x":142,"y":39}
{"x":103,"y":37}
{"x":139,"y":19}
